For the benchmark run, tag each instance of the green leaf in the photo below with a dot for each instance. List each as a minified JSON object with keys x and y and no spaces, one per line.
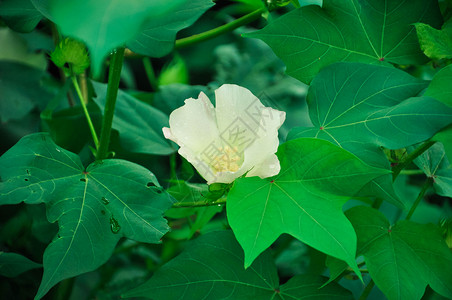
{"x":402,"y":259}
{"x":368,"y":31}
{"x":16,"y":49}
{"x":20,"y":15}
{"x":94,"y":207}
{"x":211,"y":267}
{"x":362,"y":107}
{"x":157,"y":37}
{"x":440,"y":89}
{"x":106,"y":24}
{"x":68,"y":127}
{"x":21,"y":88}
{"x":139,"y":124}
{"x":436,"y":44}
{"x":305,"y":200}
{"x":184,"y":191}
{"x":435,"y":164}
{"x":13,"y":264}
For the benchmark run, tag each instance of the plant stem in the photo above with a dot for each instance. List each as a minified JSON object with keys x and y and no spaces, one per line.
{"x":85,"y":110}
{"x":150,"y":73}
{"x":188,"y":41}
{"x":199,"y":204}
{"x":424,"y":189}
{"x":367,"y":290}
{"x":114,"y":77}
{"x":418,"y":151}
{"x":411,"y":172}
{"x":84,"y":86}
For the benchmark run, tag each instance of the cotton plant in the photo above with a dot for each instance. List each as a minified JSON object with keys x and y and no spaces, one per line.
{"x":237,"y":137}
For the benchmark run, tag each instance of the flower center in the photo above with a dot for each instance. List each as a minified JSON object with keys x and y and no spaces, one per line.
{"x":227,"y":160}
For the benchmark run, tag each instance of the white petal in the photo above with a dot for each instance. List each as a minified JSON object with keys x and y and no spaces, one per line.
{"x":257,"y":155}
{"x":238,"y":114}
{"x":193,"y":125}
{"x":200,"y":165}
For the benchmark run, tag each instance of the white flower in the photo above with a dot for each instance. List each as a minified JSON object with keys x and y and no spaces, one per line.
{"x":239,"y":136}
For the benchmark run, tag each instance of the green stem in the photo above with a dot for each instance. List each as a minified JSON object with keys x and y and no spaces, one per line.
{"x":411,"y":172}
{"x":85,"y":110}
{"x":188,"y":41}
{"x":418,"y":151}
{"x":150,"y":73}
{"x":114,"y":77}
{"x":424,"y":189}
{"x":367,"y":290}
{"x":199,"y":204}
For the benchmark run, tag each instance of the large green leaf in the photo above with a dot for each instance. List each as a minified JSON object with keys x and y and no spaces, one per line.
{"x":211,"y":267}
{"x":362,"y":107}
{"x":157,"y":37}
{"x":94,"y":207}
{"x":369,"y":31}
{"x":139,"y":124}
{"x":435,"y":164}
{"x":20,"y":15}
{"x":106,"y":24}
{"x":402,"y":258}
{"x":305,"y":200}
{"x":13,"y":264}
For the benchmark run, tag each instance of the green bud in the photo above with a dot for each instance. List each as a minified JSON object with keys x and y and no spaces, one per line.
{"x":70,"y":55}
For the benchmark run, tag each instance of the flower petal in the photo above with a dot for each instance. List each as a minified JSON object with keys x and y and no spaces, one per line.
{"x":238,"y":115}
{"x":257,"y":155}
{"x":193,"y":125}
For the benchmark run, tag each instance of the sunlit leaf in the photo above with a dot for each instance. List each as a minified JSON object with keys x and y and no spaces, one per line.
{"x":94,"y":207}
{"x":362,"y":107}
{"x":402,"y":258}
{"x":369,"y":31}
{"x":436,"y":44}
{"x":211,"y":267}
{"x":305,"y":200}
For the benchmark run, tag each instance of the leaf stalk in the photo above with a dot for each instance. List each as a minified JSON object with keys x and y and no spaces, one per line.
{"x":418,"y":151}
{"x":85,"y":110}
{"x":114,"y":77}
